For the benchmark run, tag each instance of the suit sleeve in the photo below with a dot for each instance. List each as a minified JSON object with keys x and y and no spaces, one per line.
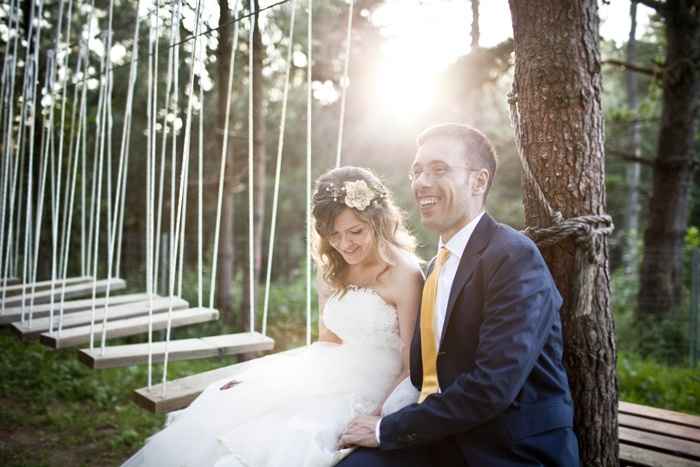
{"x":520,"y":303}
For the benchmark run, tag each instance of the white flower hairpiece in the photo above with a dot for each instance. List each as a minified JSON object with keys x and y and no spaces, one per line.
{"x":355,"y":194}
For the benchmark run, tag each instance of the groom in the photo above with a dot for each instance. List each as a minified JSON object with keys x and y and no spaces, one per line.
{"x":487,"y":350}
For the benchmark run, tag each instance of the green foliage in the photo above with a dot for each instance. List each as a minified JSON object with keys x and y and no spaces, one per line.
{"x":663,"y":338}
{"x":646,"y":381}
{"x":287,"y":314}
{"x":692,"y":238}
{"x":652,"y":353}
{"x":691,"y":245}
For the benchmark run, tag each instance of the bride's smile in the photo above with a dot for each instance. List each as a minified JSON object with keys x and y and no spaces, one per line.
{"x":352,"y":238}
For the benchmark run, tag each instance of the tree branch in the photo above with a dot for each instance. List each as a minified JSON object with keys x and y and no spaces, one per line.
{"x":627,"y":157}
{"x":655,"y":72}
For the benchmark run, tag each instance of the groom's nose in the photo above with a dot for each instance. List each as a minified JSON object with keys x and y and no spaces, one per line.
{"x":422,"y":181}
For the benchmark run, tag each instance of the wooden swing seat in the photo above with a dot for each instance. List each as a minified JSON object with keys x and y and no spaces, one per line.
{"x":13,"y":314}
{"x":128,"y":310}
{"x":70,"y":291}
{"x":8,"y":281}
{"x":127,"y":327}
{"x":16,"y":289}
{"x":181,"y":392}
{"x":180,"y":349}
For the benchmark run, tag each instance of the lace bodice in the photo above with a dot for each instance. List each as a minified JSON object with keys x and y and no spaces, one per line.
{"x":362,"y":317}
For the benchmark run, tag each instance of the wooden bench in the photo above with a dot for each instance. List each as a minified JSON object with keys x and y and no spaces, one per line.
{"x":652,"y":437}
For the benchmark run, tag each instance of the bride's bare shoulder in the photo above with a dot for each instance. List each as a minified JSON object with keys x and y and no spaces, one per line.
{"x":405,"y":275}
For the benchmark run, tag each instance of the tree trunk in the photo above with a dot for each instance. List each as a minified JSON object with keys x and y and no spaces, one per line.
{"x":475,"y":24}
{"x":473,"y":94}
{"x":224,"y":277}
{"x":558,"y":87}
{"x":662,"y":266}
{"x":633,"y":169}
{"x":259,"y":149}
{"x":259,"y":164}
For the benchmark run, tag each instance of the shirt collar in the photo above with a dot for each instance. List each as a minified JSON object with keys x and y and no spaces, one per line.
{"x":458,"y":242}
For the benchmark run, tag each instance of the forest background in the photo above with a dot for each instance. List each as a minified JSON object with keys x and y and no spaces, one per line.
{"x":401,"y":80}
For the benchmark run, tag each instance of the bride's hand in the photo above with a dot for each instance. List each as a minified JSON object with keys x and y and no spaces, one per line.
{"x":360,"y":432}
{"x":377,"y":412}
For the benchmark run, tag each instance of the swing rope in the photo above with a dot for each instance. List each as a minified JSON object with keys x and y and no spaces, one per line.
{"x":278,"y":170}
{"x":26,"y":267}
{"x":97,"y":194}
{"x":11,"y":168}
{"x":8,"y":89}
{"x":47,"y":133}
{"x":344,"y":83}
{"x":251,"y":177}
{"x":309,"y":101}
{"x":183,"y":186}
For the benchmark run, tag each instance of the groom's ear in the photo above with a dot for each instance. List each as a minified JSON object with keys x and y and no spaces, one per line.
{"x":481,"y":182}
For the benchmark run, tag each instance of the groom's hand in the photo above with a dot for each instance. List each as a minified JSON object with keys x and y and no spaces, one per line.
{"x":360,"y":432}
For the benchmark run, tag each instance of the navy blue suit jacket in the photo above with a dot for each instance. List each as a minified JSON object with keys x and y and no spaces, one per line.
{"x":504,"y":391}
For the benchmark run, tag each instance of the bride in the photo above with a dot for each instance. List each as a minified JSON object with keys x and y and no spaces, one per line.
{"x":291,"y":410}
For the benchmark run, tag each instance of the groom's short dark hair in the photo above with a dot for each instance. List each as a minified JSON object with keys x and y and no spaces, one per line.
{"x":478,"y":149}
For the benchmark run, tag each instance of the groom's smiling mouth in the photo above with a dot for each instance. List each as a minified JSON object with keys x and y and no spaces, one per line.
{"x":426,"y":202}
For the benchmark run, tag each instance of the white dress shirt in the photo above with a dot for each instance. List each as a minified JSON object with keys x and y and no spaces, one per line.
{"x":455,"y":246}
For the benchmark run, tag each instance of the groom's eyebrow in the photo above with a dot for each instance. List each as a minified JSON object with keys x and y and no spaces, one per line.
{"x":434,"y":161}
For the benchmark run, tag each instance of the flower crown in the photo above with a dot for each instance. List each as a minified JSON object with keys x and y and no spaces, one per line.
{"x":355,"y":194}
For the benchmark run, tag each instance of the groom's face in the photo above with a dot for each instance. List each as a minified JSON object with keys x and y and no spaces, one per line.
{"x":440,"y":180}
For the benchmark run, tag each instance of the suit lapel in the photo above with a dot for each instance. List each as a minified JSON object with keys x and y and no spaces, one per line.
{"x":476,"y":244}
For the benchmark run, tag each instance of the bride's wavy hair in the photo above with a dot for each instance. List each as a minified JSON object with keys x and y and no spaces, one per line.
{"x":385,"y":219}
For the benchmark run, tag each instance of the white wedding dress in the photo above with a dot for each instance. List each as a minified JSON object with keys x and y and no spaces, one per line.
{"x":290,"y":410}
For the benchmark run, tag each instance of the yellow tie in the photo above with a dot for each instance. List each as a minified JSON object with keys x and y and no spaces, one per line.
{"x":427,"y":332}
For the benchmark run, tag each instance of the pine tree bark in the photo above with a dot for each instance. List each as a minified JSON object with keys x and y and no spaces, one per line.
{"x":558,"y":90}
{"x":472,"y":103}
{"x":259,"y":146}
{"x":633,"y":169}
{"x":224,"y":277}
{"x":475,"y":34}
{"x":661,"y":276}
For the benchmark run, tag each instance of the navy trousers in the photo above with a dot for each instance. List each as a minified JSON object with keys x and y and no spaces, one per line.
{"x":555,"y":448}
{"x":443,"y":454}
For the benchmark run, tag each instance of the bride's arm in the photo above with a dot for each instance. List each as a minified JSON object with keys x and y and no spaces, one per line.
{"x":324,"y":334}
{"x":409,"y":288}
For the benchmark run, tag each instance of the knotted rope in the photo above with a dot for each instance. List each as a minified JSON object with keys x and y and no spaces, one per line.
{"x":587,"y":231}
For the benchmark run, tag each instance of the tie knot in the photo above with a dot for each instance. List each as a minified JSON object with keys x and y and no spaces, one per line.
{"x":442,"y":257}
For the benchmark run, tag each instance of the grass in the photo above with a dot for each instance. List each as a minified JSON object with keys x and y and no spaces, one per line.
{"x":57,"y":412}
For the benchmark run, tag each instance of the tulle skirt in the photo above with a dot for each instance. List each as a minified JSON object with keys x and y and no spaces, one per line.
{"x":286,"y":410}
